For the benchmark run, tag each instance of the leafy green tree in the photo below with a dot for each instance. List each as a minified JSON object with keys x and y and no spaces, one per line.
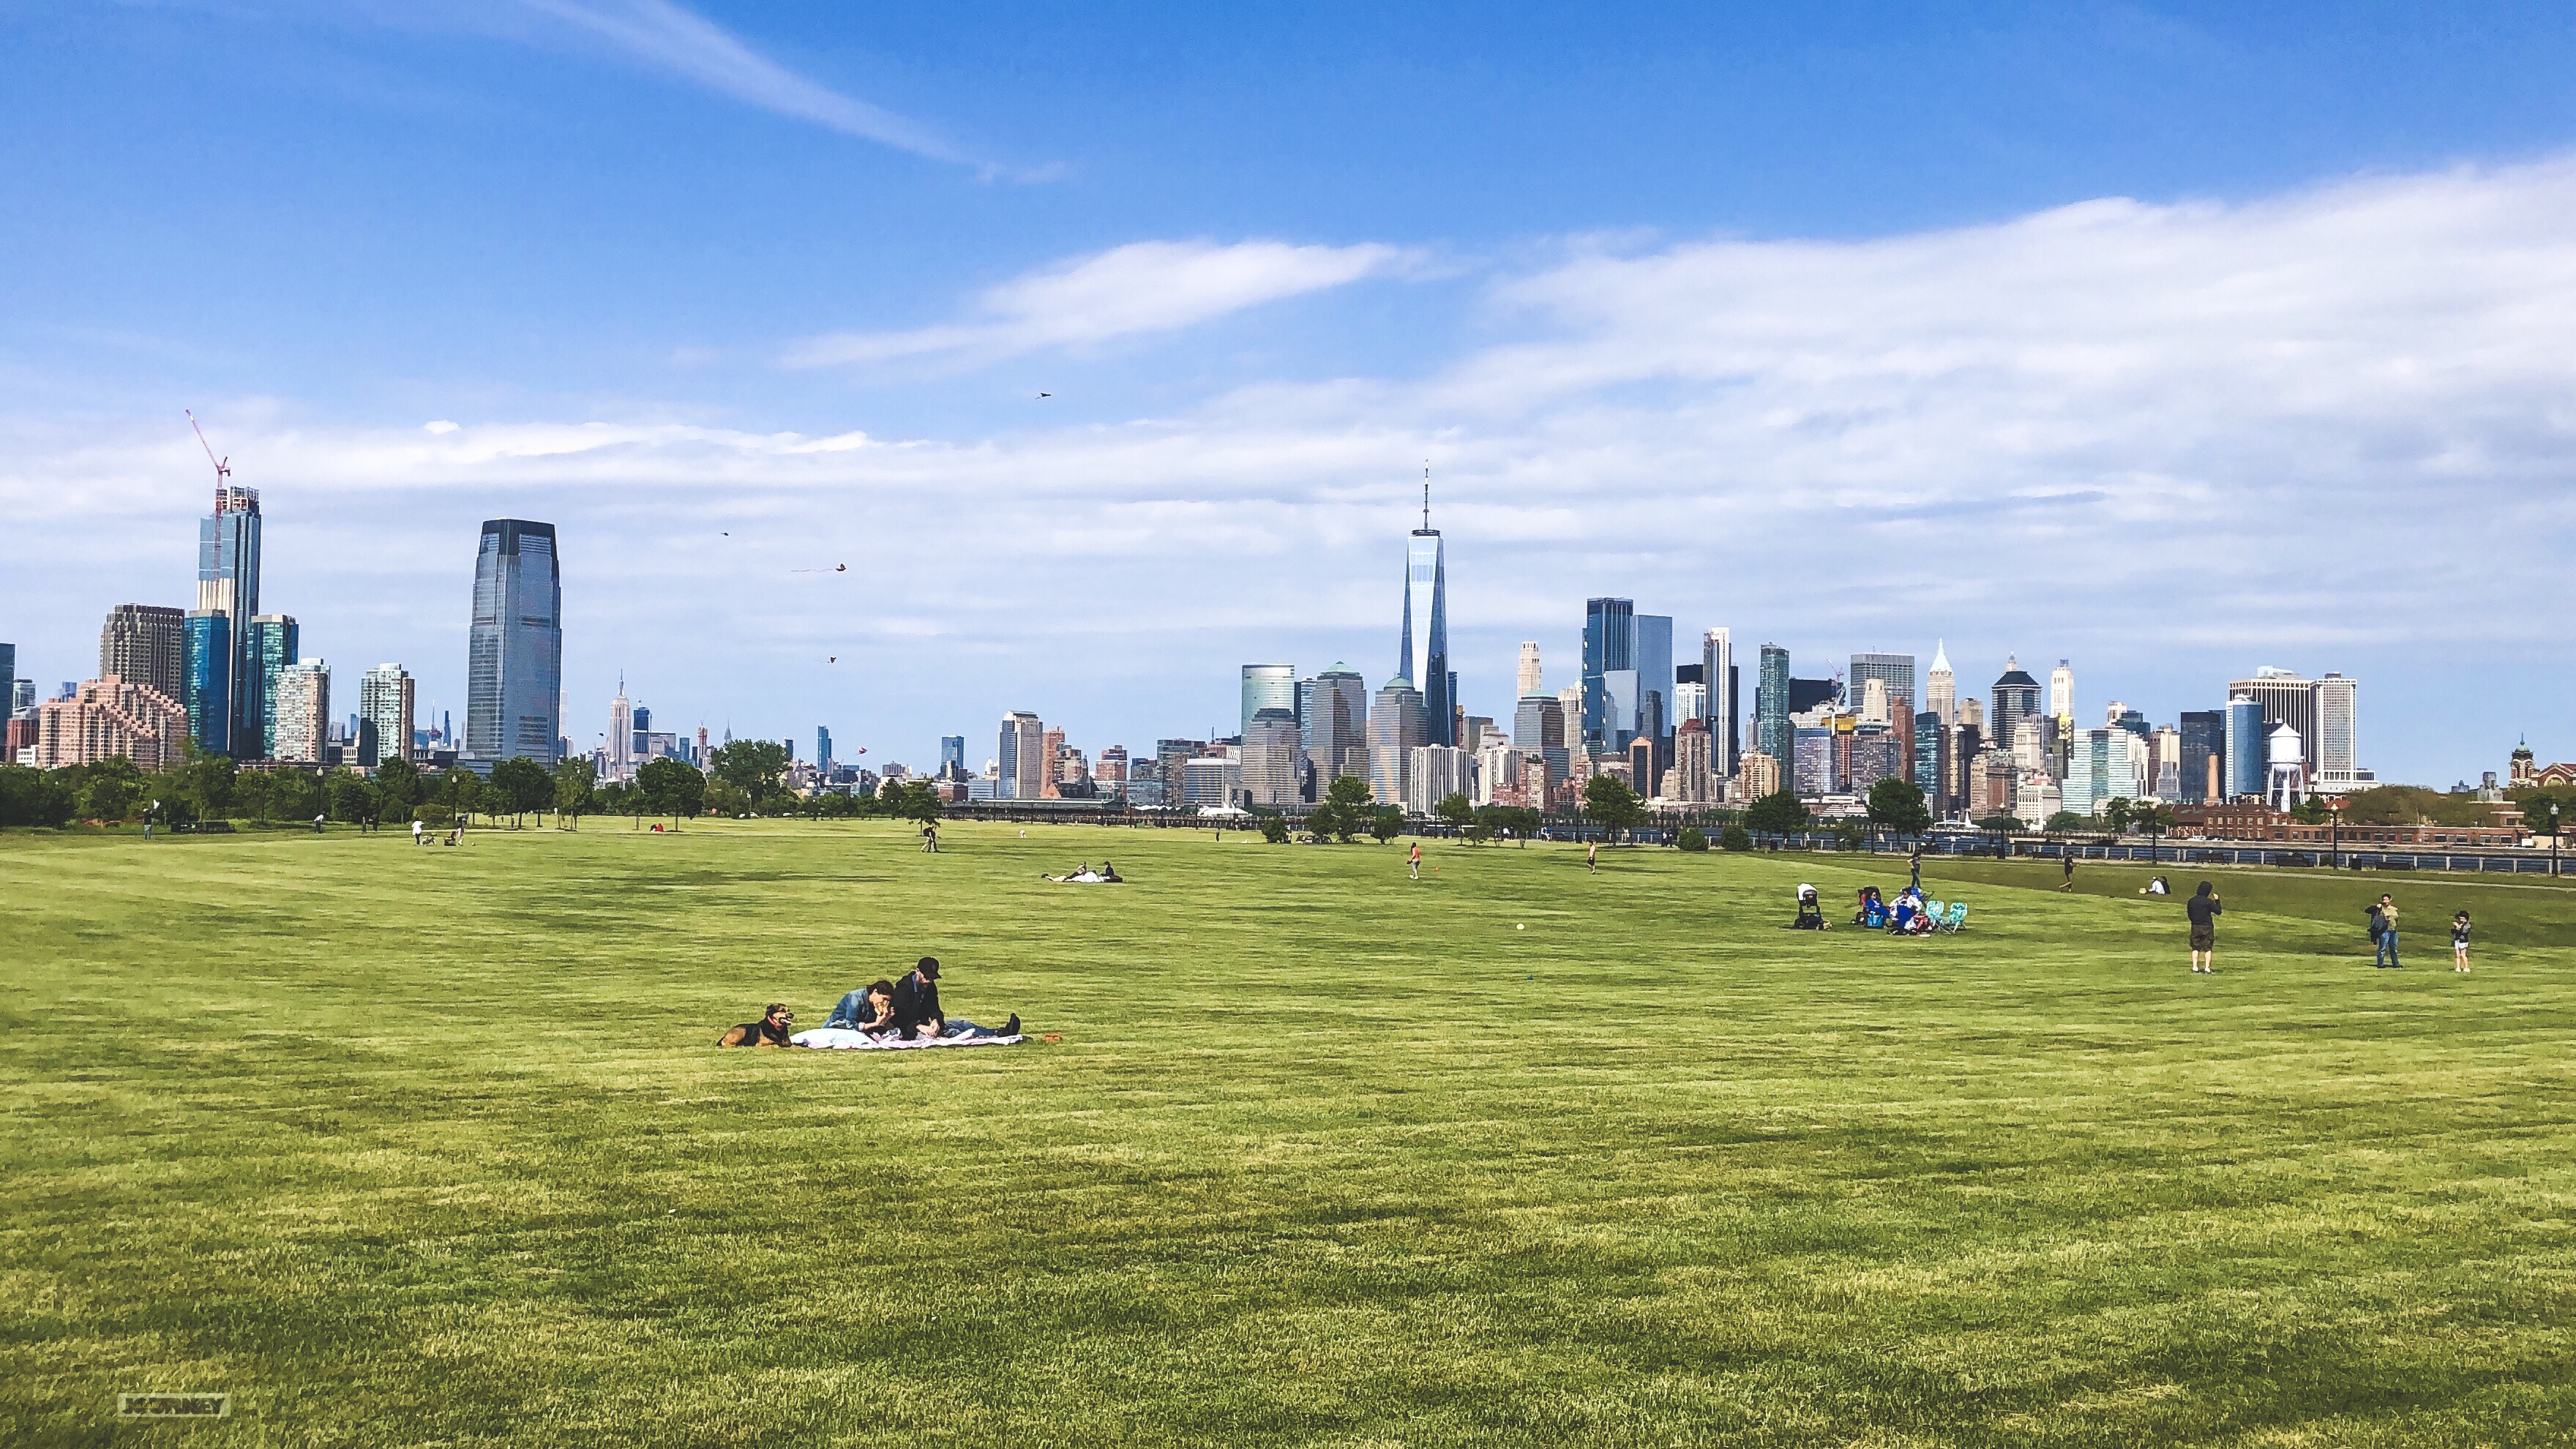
{"x":2013,"y":822}
{"x":1522,"y":821}
{"x":30,"y":796}
{"x":1455,"y":809}
{"x":463,"y":791}
{"x":576,"y":789}
{"x":758,"y":768}
{"x":205,"y":786}
{"x":725,"y":800}
{"x":295,"y":795}
{"x":1386,"y":822}
{"x":1693,"y":839}
{"x":2059,"y":823}
{"x":2117,"y":812}
{"x":2314,"y":810}
{"x":1896,"y":804}
{"x":672,"y":788}
{"x":1612,"y":805}
{"x":1345,"y":810}
{"x":255,"y":794}
{"x":520,"y":785}
{"x":1779,"y":813}
{"x":398,"y":788}
{"x":1735,"y":837}
{"x":1274,"y":829}
{"x":913,"y":800}
{"x":352,"y":798}
{"x":2543,"y":811}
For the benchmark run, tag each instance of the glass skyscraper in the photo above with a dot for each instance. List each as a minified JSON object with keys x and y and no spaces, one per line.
{"x":272,"y":647}
{"x":1267,"y":686}
{"x":514,"y":653}
{"x":227,"y":585}
{"x":1771,"y":731}
{"x":2245,"y":766}
{"x":1424,"y":660}
{"x":1332,"y":722}
{"x":1895,"y":673}
{"x":210,"y":680}
{"x":1609,"y":674}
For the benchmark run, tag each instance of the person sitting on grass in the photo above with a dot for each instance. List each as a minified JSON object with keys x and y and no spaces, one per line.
{"x":1873,"y":911}
{"x":770,"y":1031}
{"x":870,"y":1009}
{"x":916,"y":1008}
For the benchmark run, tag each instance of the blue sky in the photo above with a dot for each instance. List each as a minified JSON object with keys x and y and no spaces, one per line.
{"x":2174,"y":340}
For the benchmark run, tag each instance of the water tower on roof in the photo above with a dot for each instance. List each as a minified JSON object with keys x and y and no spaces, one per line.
{"x":2288,"y":785}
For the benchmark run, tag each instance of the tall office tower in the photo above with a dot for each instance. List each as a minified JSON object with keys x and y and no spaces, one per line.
{"x":1394,"y":728}
{"x":1717,"y":671}
{"x":1529,"y":680}
{"x":701,"y":760}
{"x":1538,"y":727}
{"x":1941,"y":686}
{"x":1270,"y":749}
{"x":145,"y":645}
{"x":1268,"y":686}
{"x":1894,"y":672}
{"x":823,"y":748}
{"x":1425,"y":657}
{"x":1653,"y":655}
{"x":2015,"y":698}
{"x":2287,"y":699}
{"x":1931,"y":761}
{"x":2338,"y":753}
{"x":514,"y":651}
{"x":1690,"y":696}
{"x":1569,"y":719}
{"x":952,"y":757}
{"x":1022,"y":752}
{"x":1757,"y":775}
{"x":621,"y":734}
{"x":2204,"y":755}
{"x":1972,"y":713}
{"x":2061,"y":693}
{"x":275,"y":644}
{"x":1332,"y":715}
{"x":208,"y":689}
{"x":1609,"y":675}
{"x":9,"y":678}
{"x":228,"y":584}
{"x":2243,"y":769}
{"x":1051,"y":754}
{"x":1695,"y":781}
{"x":1771,"y":706}
{"x":2164,"y":777}
{"x":385,"y":699}
{"x":303,"y":711}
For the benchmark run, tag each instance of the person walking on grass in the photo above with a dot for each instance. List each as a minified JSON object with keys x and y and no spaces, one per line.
{"x":2460,"y":942}
{"x":2067,"y":858}
{"x":1914,"y":864}
{"x":2385,"y":915}
{"x":2204,"y":910}
{"x":1415,"y":860}
{"x":1592,"y":856}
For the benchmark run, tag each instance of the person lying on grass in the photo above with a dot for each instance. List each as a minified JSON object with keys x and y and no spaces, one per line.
{"x":916,"y":1008}
{"x":770,"y":1031}
{"x":869,"y":1009}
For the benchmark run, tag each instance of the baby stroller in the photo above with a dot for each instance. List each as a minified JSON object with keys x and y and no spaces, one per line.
{"x":1811,"y":915}
{"x":1872,"y":914}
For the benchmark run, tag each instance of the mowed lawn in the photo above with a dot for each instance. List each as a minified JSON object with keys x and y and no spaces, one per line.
{"x":431,"y":1146}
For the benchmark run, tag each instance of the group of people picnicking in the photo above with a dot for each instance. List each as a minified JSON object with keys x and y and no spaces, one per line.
{"x":1083,"y":874}
{"x":905,"y":1010}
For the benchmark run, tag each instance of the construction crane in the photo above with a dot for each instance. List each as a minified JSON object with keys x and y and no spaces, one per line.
{"x":223,"y":467}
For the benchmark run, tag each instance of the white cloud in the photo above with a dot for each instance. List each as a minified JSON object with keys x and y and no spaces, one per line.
{"x":1145,"y":287}
{"x":2168,"y":440}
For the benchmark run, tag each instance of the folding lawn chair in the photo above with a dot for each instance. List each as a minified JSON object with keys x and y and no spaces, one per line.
{"x":1957,"y":918}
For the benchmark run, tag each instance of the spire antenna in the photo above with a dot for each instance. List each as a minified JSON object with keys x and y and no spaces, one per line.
{"x":1426,"y":495}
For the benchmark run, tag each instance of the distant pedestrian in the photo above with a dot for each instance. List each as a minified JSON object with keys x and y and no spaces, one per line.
{"x":2460,"y":942}
{"x":1914,"y":864}
{"x":2204,"y":910}
{"x":2066,"y":857}
{"x":1592,"y":856}
{"x":2385,"y":914}
{"x":317,"y":824}
{"x":929,"y":839}
{"x":1415,"y":860}
{"x":416,"y":829}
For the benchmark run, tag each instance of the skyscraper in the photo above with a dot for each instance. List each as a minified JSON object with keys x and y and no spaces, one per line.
{"x":1424,"y":660}
{"x":2015,"y":698}
{"x":228,"y":584}
{"x":1333,"y":723}
{"x":208,"y":689}
{"x":1652,"y":653}
{"x":1895,"y":672}
{"x":1539,"y":728}
{"x":1610,"y":682}
{"x":275,"y":644}
{"x":2061,"y":695}
{"x":145,"y":645}
{"x":1529,"y":678}
{"x":823,"y":748}
{"x":1270,"y":748}
{"x":2204,"y":741}
{"x":2338,"y":752}
{"x":1267,"y":686}
{"x":1395,"y":726}
{"x":2287,"y":699}
{"x":620,"y":764}
{"x":1941,"y":686}
{"x":385,"y":700}
{"x":303,"y":711}
{"x":2245,"y":763}
{"x":1717,"y":672}
{"x":1022,"y":752}
{"x":514,"y":651}
{"x":1771,"y":730}
{"x":952,"y":757}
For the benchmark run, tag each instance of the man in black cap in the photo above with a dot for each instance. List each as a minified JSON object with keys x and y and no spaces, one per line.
{"x":916,"y":1008}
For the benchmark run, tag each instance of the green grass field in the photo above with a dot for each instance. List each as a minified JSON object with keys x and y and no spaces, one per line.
{"x":430,"y":1147}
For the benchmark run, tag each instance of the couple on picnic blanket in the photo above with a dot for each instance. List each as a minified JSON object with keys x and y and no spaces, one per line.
{"x":880,"y":1014}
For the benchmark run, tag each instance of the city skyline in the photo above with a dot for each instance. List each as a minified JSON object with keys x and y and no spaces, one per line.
{"x":1149,"y":378}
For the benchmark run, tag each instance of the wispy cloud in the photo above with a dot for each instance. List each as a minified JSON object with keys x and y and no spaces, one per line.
{"x":670,"y":38}
{"x":1141,"y":288}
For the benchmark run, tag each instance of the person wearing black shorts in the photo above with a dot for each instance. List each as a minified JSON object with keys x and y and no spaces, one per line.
{"x":2204,"y":910}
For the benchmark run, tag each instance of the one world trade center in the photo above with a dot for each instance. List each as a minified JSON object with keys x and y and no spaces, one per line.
{"x":1425,"y":658}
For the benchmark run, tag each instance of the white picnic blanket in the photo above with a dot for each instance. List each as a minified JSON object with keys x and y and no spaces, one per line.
{"x":843,"y":1039}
